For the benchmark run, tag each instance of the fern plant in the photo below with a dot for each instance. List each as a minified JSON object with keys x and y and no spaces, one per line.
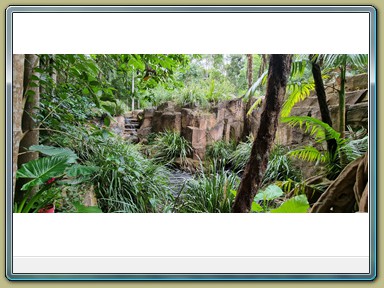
{"x":321,"y":132}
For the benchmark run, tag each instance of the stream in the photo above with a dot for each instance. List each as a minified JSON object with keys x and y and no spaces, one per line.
{"x":177,"y":180}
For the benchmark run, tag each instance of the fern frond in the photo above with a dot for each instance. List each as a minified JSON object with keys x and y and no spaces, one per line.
{"x":299,"y":91}
{"x":308,"y":153}
{"x":315,"y":127}
{"x":298,"y":67}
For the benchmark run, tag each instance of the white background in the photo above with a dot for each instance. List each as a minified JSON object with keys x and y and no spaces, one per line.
{"x":269,"y":33}
{"x":188,"y":234}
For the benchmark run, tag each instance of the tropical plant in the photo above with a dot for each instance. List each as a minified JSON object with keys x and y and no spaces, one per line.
{"x":126,"y":181}
{"x":279,"y":167}
{"x":220,"y":151}
{"x":343,"y":62}
{"x":267,"y":196}
{"x":296,"y":204}
{"x":240,"y":156}
{"x":170,"y":145}
{"x":209,"y":192}
{"x":59,"y":167}
{"x":351,"y":149}
{"x":266,"y":201}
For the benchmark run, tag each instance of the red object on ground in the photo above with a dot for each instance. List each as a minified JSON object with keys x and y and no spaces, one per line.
{"x":48,"y":209}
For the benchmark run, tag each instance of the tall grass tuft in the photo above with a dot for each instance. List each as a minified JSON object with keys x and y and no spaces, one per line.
{"x":170,"y":145}
{"x":209,"y":192}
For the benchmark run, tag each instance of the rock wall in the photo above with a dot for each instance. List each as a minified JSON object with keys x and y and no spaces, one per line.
{"x":356,"y":100}
{"x":225,"y":121}
{"x":200,"y":128}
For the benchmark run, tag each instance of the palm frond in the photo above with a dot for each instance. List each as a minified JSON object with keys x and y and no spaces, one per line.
{"x":257,"y":103}
{"x":308,"y":153}
{"x":335,"y":60}
{"x":299,"y":91}
{"x":251,"y":91}
{"x":298,"y":67}
{"x":315,"y":127}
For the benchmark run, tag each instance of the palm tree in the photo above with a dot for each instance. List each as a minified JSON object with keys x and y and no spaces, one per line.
{"x":342,"y":62}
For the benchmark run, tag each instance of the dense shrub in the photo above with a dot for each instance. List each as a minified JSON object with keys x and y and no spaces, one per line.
{"x":126,"y":181}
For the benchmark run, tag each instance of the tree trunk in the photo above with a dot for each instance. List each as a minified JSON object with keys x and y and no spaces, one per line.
{"x":263,"y":65}
{"x":342,"y":101}
{"x":247,"y":120}
{"x":342,"y":112}
{"x":249,"y":70}
{"x":349,"y":189}
{"x":279,"y":70}
{"x":322,"y":100}
{"x":17,"y":103}
{"x":30,"y":136}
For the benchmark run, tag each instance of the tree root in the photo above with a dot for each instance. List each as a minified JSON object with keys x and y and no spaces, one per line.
{"x":349,"y":188}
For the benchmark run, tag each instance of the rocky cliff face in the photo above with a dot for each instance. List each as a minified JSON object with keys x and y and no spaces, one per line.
{"x":225,"y":121}
{"x":356,"y":109}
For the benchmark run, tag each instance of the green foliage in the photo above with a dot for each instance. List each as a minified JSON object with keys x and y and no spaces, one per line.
{"x":41,"y":170}
{"x":309,"y":153}
{"x":355,"y":61}
{"x":260,"y":81}
{"x":58,"y":168}
{"x":314,"y":127}
{"x":240,"y":156}
{"x":170,"y":145}
{"x":55,"y":151}
{"x":209,"y":192}
{"x":279,"y":167}
{"x":270,"y":193}
{"x":125,"y":180}
{"x":266,"y":198}
{"x":351,"y":148}
{"x":297,"y":204}
{"x":298,"y":90}
{"x":86,"y":209}
{"x":220,"y":151}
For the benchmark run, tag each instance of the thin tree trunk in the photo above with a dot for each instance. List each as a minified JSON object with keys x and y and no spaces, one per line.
{"x":342,"y":112}
{"x":17,"y":103}
{"x":342,"y":101}
{"x":247,"y":120}
{"x":263,"y":65}
{"x":249,"y":70}
{"x":279,"y":70}
{"x":322,"y":100}
{"x":30,"y":136}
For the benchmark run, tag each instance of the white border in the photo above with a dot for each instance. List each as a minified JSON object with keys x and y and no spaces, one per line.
{"x":188,"y":33}
{"x":202,"y":234}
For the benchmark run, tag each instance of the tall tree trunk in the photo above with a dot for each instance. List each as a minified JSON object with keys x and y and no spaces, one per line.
{"x":343,"y":69}
{"x":17,"y":103}
{"x":264,"y":60}
{"x":278,"y":74}
{"x":249,"y":70}
{"x":247,"y":120}
{"x":30,"y":136}
{"x":322,"y":100}
{"x":342,"y":112}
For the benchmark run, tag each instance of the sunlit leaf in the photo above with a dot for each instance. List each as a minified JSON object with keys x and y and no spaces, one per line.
{"x":297,"y":204}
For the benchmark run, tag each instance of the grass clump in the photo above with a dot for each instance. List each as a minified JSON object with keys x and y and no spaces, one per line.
{"x":209,"y":192}
{"x":170,"y":145}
